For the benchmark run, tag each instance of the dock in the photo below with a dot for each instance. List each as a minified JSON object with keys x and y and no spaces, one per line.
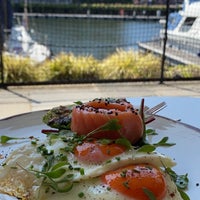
{"x":174,"y":56}
{"x":91,"y":16}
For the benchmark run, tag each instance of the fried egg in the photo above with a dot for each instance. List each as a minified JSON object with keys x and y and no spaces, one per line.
{"x":127,"y":174}
{"x":97,"y":190}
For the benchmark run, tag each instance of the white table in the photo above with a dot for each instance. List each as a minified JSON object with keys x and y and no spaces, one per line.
{"x":184,"y":109}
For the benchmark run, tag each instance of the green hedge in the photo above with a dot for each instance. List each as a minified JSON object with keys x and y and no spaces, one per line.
{"x":120,"y":65}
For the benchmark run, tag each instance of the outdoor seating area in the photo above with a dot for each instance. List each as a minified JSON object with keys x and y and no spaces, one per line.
{"x":103,"y":42}
{"x":99,"y":99}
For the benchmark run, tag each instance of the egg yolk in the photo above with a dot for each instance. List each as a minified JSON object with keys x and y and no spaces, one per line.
{"x":135,"y":181}
{"x":96,"y":153}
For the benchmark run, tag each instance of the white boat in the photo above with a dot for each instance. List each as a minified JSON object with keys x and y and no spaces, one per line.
{"x":184,"y":28}
{"x":20,"y":43}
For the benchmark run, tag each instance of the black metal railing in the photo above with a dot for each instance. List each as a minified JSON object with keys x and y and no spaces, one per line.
{"x":70,"y":34}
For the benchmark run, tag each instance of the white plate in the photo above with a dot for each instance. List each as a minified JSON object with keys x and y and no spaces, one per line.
{"x":185,"y":152}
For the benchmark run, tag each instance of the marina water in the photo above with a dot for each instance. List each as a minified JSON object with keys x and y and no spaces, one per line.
{"x":97,"y":37}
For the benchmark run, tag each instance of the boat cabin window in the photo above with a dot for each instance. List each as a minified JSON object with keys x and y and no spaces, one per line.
{"x":189,"y":21}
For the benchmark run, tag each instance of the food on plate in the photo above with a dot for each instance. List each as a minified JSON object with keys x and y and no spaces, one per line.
{"x":57,"y":170}
{"x":88,"y":162}
{"x":89,"y":116}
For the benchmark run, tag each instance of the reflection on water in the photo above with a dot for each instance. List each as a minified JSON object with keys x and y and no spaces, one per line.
{"x":98,"y":37}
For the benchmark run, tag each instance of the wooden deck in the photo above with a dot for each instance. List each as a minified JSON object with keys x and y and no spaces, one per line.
{"x":175,"y":56}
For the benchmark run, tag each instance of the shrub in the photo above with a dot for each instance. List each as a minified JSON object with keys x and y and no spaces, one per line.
{"x":19,"y":69}
{"x":121,"y":65}
{"x":130,"y":65}
{"x":181,"y":71}
{"x":67,"y":67}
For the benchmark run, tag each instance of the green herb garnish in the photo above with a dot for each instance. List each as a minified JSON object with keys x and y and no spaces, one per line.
{"x":111,"y":125}
{"x":124,"y":142}
{"x":78,"y":102}
{"x":4,"y":139}
{"x":147,"y":148}
{"x":163,"y":142}
{"x":150,"y":132}
{"x":81,"y":194}
{"x":149,"y":193}
{"x":181,"y":182}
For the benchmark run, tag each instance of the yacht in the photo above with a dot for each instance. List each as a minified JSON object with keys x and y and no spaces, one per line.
{"x":20,"y":43}
{"x":183,"y":30}
{"x":183,"y":36}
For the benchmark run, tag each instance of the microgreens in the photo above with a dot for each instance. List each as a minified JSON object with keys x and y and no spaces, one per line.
{"x":144,"y":146}
{"x":147,"y":148}
{"x":105,"y":141}
{"x":57,"y":172}
{"x":81,"y":194}
{"x":181,"y":182}
{"x":150,"y":132}
{"x":78,"y":102}
{"x":163,"y":142}
{"x":55,"y":176}
{"x":5,"y":139}
{"x":111,"y":125}
{"x":183,"y":194}
{"x":62,"y":186}
{"x":124,"y":142}
{"x":149,"y":193}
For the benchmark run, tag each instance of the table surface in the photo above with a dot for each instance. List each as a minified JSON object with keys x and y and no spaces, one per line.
{"x":183,"y":109}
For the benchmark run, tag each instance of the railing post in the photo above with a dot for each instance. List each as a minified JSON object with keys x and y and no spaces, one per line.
{"x":1,"y":56}
{"x":2,"y":71}
{"x":164,"y":43}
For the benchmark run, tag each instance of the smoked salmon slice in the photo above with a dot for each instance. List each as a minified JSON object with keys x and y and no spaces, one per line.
{"x":94,"y":114}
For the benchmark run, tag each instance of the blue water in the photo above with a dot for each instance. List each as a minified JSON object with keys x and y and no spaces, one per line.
{"x":97,"y":37}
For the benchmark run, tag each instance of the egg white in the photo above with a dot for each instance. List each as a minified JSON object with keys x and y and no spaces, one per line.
{"x":17,"y":180}
{"x":94,"y":189}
